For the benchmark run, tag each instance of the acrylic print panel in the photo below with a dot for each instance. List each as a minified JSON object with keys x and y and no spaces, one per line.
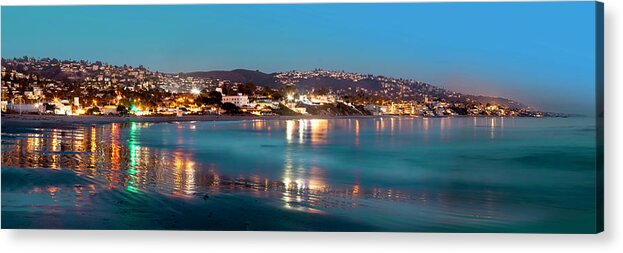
{"x":423,"y":117}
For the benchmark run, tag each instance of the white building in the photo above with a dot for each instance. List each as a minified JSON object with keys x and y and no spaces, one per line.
{"x":322,"y":99}
{"x":266,"y":102}
{"x":24,"y":108}
{"x":62,"y":108}
{"x":374,"y":109}
{"x":239,"y":100}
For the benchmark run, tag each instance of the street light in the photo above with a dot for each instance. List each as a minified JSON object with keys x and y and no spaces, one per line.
{"x":195,"y":91}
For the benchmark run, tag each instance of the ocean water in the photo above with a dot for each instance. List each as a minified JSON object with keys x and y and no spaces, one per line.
{"x":359,"y":174}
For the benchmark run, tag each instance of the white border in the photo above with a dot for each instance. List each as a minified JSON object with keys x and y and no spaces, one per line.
{"x":171,"y":241}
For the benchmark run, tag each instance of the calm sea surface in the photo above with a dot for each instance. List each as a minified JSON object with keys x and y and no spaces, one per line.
{"x":371,"y":174}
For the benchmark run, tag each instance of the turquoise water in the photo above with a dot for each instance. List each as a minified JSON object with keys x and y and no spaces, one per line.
{"x":369,"y":174}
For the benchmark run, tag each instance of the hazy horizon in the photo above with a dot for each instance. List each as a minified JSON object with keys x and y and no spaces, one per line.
{"x":541,"y":54}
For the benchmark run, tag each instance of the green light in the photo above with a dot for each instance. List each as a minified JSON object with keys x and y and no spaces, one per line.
{"x":135,"y":153}
{"x":131,"y":188}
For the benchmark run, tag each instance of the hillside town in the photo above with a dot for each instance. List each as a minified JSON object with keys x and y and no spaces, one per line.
{"x":69,"y":87}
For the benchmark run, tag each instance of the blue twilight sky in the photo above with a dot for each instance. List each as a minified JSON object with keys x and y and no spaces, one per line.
{"x":539,"y":53}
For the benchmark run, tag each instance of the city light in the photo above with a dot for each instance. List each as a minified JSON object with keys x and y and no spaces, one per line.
{"x":171,"y":92}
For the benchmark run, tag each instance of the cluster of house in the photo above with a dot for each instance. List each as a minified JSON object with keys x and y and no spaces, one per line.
{"x":180,"y":106}
{"x":430,"y":108}
{"x":260,"y":105}
{"x":57,"y":106}
{"x":390,"y":88}
{"x":97,"y":88}
{"x":91,"y":75}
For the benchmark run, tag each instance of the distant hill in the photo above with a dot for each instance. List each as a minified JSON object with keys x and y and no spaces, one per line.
{"x":498,"y":101}
{"x":340,"y":83}
{"x":239,"y":75}
{"x":371,"y":83}
{"x":333,"y":83}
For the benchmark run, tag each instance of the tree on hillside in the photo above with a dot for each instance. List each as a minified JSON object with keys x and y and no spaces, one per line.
{"x":230,"y":108}
{"x":247,"y":88}
{"x":212,"y":98}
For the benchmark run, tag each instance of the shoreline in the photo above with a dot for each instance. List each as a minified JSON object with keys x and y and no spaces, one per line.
{"x":33,"y":120}
{"x":47,"y":120}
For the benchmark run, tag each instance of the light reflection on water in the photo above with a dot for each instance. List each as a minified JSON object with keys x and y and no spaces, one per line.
{"x":324,"y":164}
{"x":113,"y":155}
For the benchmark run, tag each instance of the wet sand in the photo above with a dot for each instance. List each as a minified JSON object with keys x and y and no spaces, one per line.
{"x":118,"y":209}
